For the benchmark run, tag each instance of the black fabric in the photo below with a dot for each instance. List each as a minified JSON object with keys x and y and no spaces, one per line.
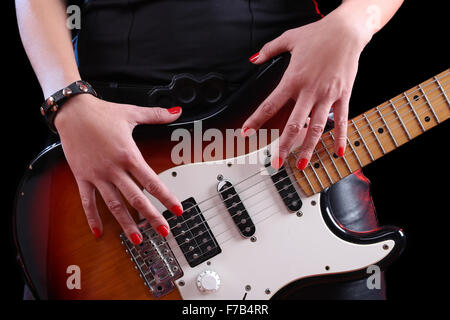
{"x":150,"y":41}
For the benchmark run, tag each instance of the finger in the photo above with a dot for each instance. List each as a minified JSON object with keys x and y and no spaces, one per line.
{"x":315,"y":130}
{"x":271,"y":49}
{"x":87,"y":195}
{"x":137,"y":199}
{"x":155,"y":115}
{"x":292,"y":129}
{"x":153,"y":184}
{"x":115,"y":204}
{"x":340,"y":112}
{"x":268,"y":108}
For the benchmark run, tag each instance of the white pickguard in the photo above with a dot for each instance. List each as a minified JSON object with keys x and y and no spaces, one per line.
{"x":288,"y":247}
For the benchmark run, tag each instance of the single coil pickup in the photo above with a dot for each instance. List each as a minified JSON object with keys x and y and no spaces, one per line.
{"x":193,"y":234}
{"x":284,"y":186}
{"x":236,"y":208}
{"x":154,"y":260}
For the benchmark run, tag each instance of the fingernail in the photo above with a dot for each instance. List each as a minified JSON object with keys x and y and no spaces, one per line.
{"x":136,"y":238}
{"x":163,"y":230}
{"x":244,"y":131}
{"x":277,"y":163}
{"x":174,"y":110}
{"x":97,"y":232}
{"x":254,"y":57}
{"x":301,"y":165}
{"x":178,"y":210}
{"x":341,"y":152}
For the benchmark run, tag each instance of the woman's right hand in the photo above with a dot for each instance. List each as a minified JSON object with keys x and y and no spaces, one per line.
{"x":96,"y":137}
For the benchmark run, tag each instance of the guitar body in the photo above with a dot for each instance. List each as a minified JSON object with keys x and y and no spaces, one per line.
{"x":52,"y":235}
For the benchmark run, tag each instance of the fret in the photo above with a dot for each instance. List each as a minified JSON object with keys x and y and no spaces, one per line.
{"x":374,"y":133}
{"x":324,"y":168}
{"x":309,"y":182}
{"x":317,"y":177}
{"x":414,"y":111}
{"x":343,"y":157}
{"x":400,"y":119}
{"x":387,"y":127}
{"x":442,"y":89}
{"x":362,"y":139}
{"x":332,"y":160}
{"x":429,"y":104}
{"x":356,"y":154}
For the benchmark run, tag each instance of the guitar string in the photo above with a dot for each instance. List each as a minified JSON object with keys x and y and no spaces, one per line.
{"x":210,"y":218}
{"x":326,"y":146}
{"x":270,"y":215}
{"x":351,"y":151}
{"x":204,"y":211}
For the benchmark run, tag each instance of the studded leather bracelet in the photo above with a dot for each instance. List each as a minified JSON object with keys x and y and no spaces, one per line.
{"x":54,"y":103}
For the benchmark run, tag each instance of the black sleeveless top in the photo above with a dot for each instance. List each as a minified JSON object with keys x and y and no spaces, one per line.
{"x":148,"y":41}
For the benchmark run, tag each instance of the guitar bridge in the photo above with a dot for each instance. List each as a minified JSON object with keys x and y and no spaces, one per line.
{"x":154,"y":260}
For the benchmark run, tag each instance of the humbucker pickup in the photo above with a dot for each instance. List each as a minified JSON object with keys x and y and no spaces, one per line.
{"x":193,"y":234}
{"x":284,"y":186}
{"x":236,"y":208}
{"x":154,"y":260}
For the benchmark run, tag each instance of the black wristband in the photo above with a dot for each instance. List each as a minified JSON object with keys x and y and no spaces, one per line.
{"x":51,"y":106}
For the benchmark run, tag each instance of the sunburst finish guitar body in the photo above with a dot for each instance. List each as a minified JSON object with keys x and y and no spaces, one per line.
{"x":247,"y":230}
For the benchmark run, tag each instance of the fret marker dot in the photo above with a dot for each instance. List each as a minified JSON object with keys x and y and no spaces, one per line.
{"x":357,"y":143}
{"x":380,"y":130}
{"x":416,"y":97}
{"x":335,"y":155}
{"x":427,"y":119}
{"x":316,"y":165}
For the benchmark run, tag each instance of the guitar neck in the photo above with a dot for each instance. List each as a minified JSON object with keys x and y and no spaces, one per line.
{"x":375,"y":133}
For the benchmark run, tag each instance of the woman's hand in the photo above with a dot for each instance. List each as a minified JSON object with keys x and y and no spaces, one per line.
{"x":97,"y":140}
{"x":321,"y":72}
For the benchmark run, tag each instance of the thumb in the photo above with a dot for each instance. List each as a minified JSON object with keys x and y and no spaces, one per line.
{"x":270,"y":50}
{"x":155,"y":115}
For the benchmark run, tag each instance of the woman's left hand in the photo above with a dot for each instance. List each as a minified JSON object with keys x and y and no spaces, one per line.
{"x":321,"y":72}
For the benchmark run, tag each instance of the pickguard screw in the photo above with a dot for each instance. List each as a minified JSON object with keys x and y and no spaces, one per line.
{"x":219,"y":177}
{"x":299,"y":213}
{"x":385,"y":246}
{"x":174,"y":173}
{"x":181,"y":283}
{"x":208,"y":263}
{"x":313,"y":203}
{"x":248,"y":288}
{"x":267,"y":291}
{"x":253,"y":239}
{"x":229,"y":164}
{"x":267,"y":152}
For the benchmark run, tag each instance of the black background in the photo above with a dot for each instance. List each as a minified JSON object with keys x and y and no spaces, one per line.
{"x":409,"y":186}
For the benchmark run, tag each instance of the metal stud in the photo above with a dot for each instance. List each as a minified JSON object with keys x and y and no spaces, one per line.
{"x":54,"y":108}
{"x":67,"y":92}
{"x":50,"y":101}
{"x":83,"y":87}
{"x":42,"y":111}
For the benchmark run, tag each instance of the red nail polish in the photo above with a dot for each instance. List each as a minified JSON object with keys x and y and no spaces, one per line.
{"x":97,"y":232}
{"x":277,"y":163}
{"x":244,"y":131}
{"x":178,"y":210}
{"x":254,"y":57}
{"x":174,"y":110}
{"x":341,"y":152}
{"x":301,"y":165}
{"x":136,"y":238}
{"x":163,"y":230}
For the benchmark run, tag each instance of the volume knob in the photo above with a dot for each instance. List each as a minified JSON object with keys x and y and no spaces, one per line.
{"x":208,"y":281}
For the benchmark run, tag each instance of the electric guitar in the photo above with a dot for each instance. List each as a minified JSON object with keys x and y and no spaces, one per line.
{"x":247,"y":230}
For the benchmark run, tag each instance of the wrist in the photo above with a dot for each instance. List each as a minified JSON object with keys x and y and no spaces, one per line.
{"x":359,"y":22}
{"x":73,"y":108}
